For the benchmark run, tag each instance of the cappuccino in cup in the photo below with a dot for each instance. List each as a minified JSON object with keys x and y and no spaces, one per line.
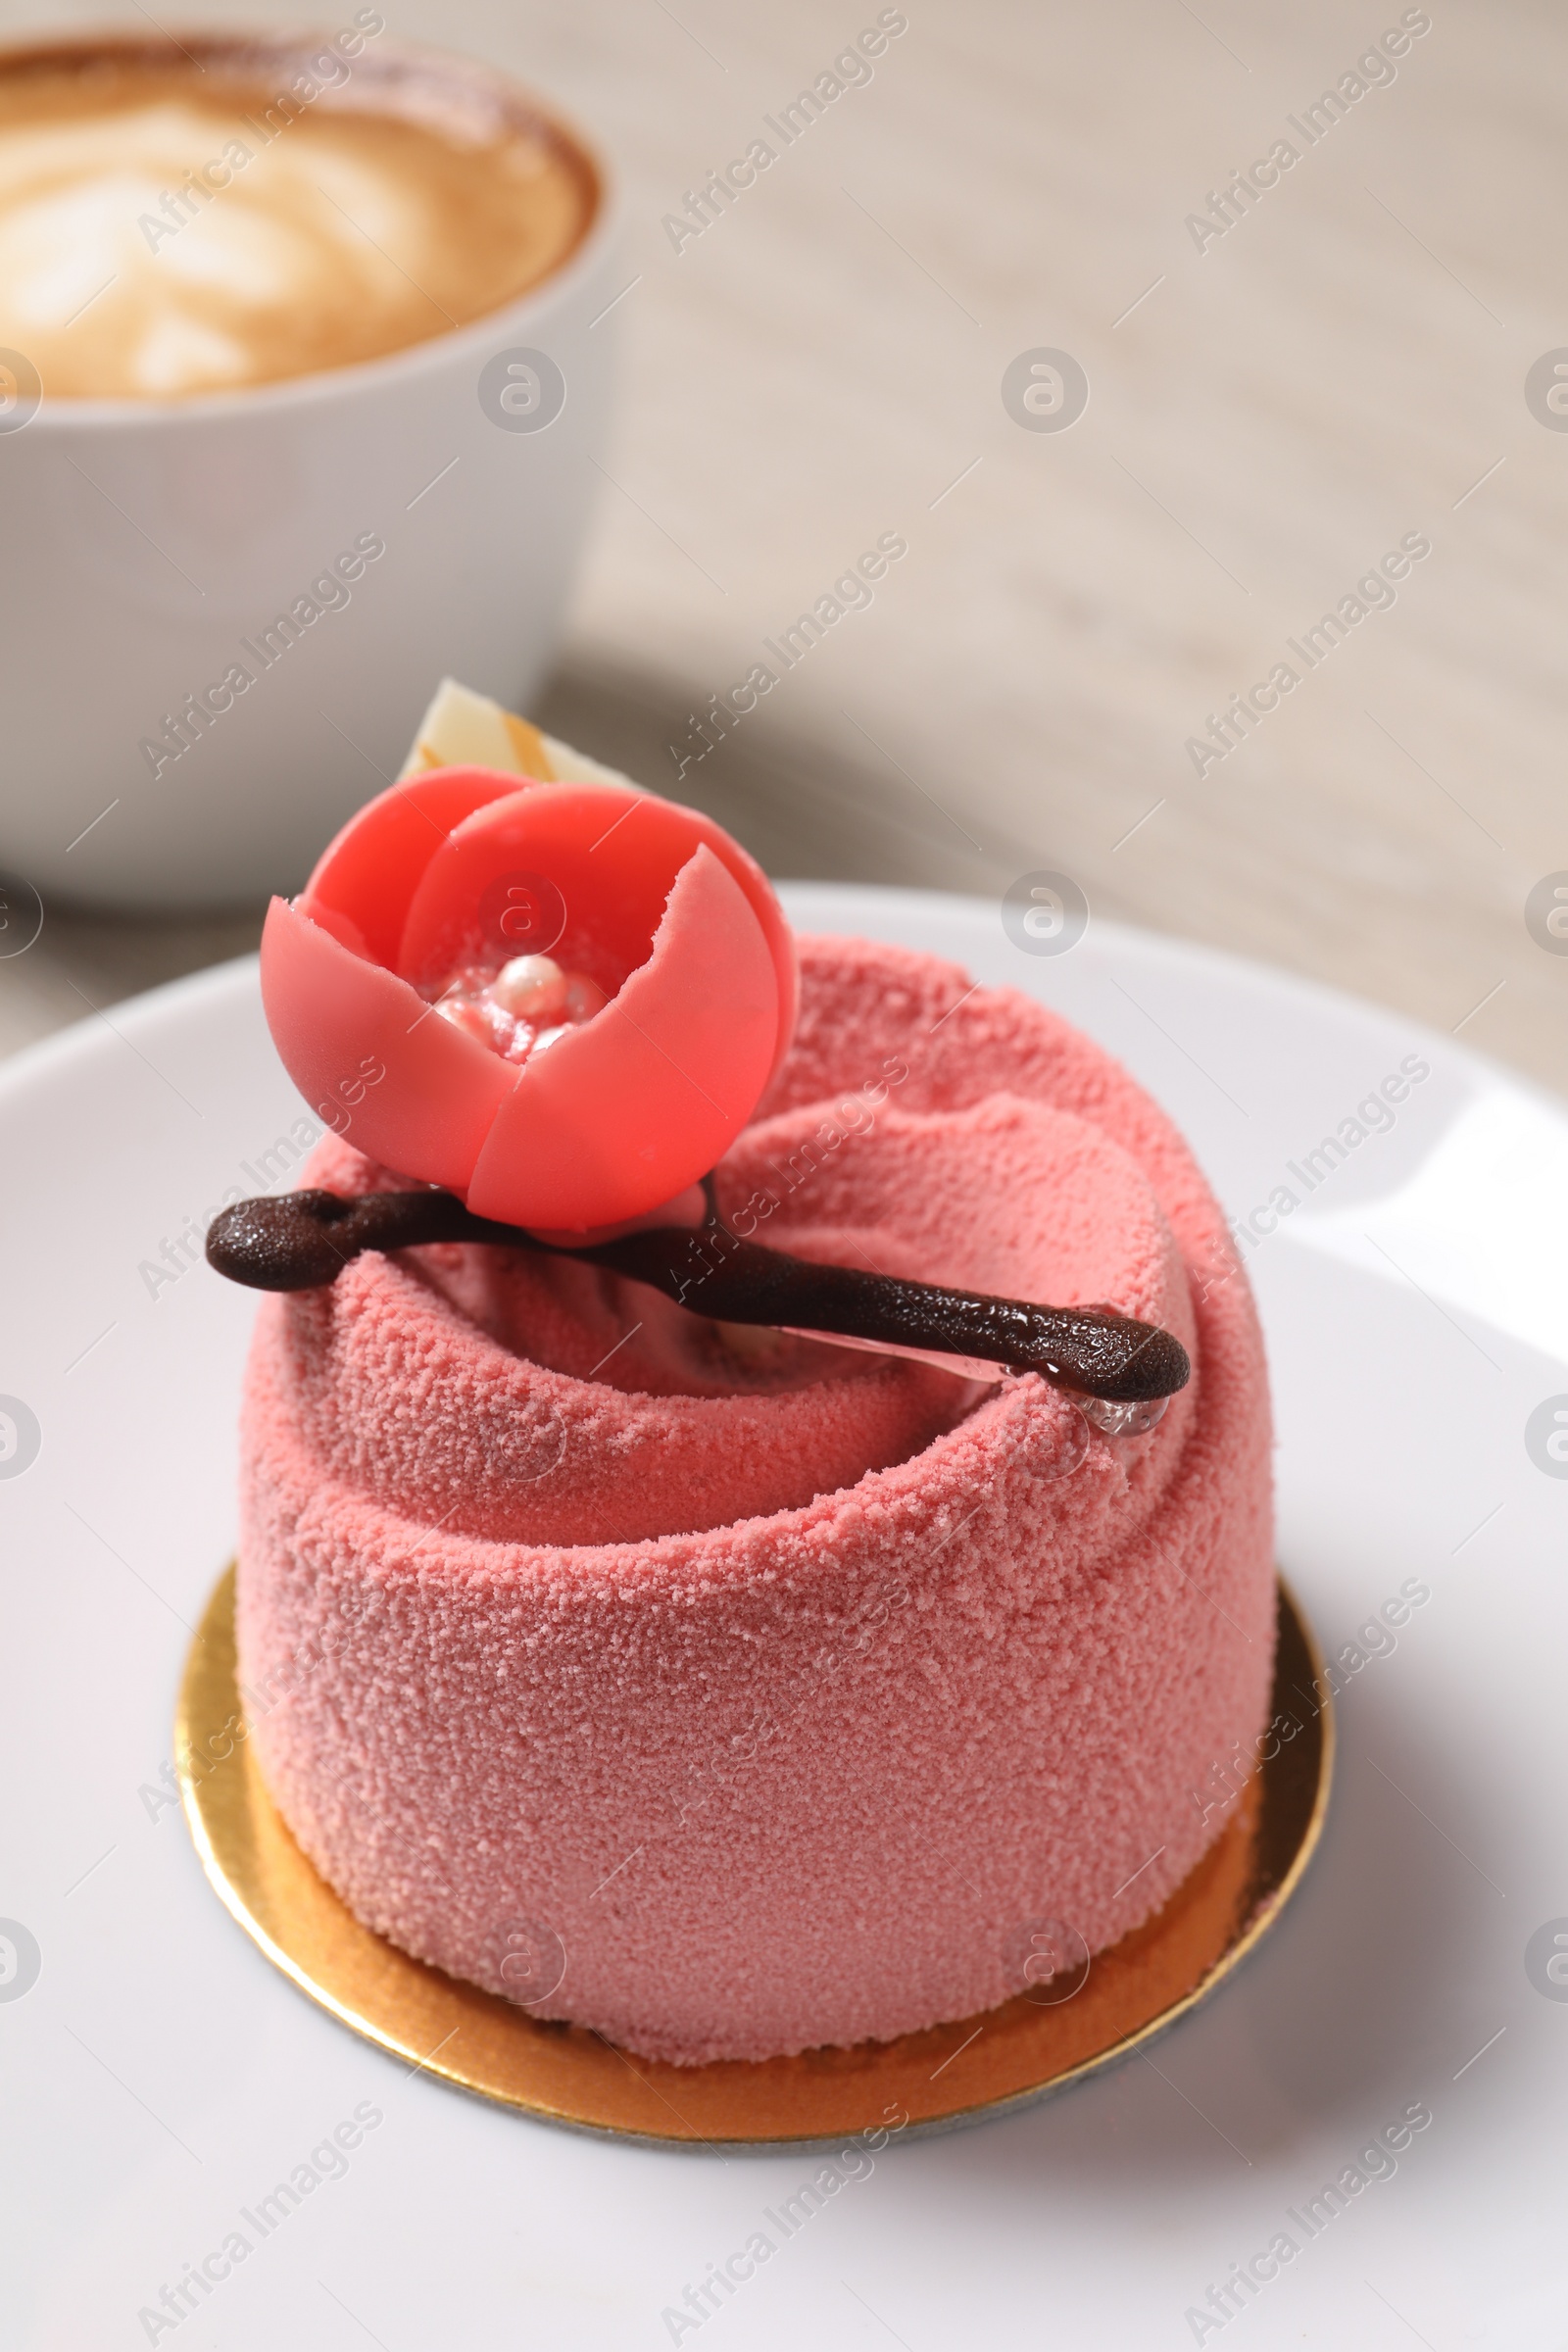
{"x":266,"y":298}
{"x":183,"y":219}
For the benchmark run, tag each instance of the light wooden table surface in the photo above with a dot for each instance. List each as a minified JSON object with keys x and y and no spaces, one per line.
{"x":1268,"y":417}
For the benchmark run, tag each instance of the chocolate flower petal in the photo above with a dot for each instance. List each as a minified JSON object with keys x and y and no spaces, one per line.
{"x":371,"y":869}
{"x":622,"y":1114}
{"x":613,"y":853}
{"x":371,"y":1056}
{"x":655,"y":902}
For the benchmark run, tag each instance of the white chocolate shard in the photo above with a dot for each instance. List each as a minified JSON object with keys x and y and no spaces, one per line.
{"x":464,"y":729}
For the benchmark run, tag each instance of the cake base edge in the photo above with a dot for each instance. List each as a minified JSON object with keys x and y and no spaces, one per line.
{"x":958,"y":2072}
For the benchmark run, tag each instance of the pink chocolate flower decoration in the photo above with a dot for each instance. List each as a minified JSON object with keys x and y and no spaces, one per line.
{"x":653,"y":911}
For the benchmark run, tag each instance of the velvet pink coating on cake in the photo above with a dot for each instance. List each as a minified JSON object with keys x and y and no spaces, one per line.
{"x":773,"y":1688}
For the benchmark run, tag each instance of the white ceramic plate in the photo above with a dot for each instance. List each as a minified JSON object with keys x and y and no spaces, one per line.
{"x":161,"y":2079}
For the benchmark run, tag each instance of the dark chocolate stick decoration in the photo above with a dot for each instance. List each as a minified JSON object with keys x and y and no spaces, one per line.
{"x":301,"y":1241}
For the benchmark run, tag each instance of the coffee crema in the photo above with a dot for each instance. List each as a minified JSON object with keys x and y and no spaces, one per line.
{"x":179,"y":221}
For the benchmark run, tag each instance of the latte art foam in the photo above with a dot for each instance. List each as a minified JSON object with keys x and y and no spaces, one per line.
{"x":165,"y":232}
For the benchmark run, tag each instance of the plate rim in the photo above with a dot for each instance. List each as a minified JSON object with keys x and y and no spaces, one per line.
{"x":1224,"y":964}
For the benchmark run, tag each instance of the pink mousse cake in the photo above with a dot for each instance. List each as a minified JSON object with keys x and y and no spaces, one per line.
{"x":733,"y":1693}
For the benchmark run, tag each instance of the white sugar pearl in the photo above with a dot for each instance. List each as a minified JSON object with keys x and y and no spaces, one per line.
{"x":533,"y":987}
{"x":584,"y":997}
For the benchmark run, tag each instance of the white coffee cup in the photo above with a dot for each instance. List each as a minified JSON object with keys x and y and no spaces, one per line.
{"x":147,"y":542}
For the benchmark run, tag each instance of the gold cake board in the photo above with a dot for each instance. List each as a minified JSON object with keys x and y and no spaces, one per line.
{"x":570,"y":2075}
